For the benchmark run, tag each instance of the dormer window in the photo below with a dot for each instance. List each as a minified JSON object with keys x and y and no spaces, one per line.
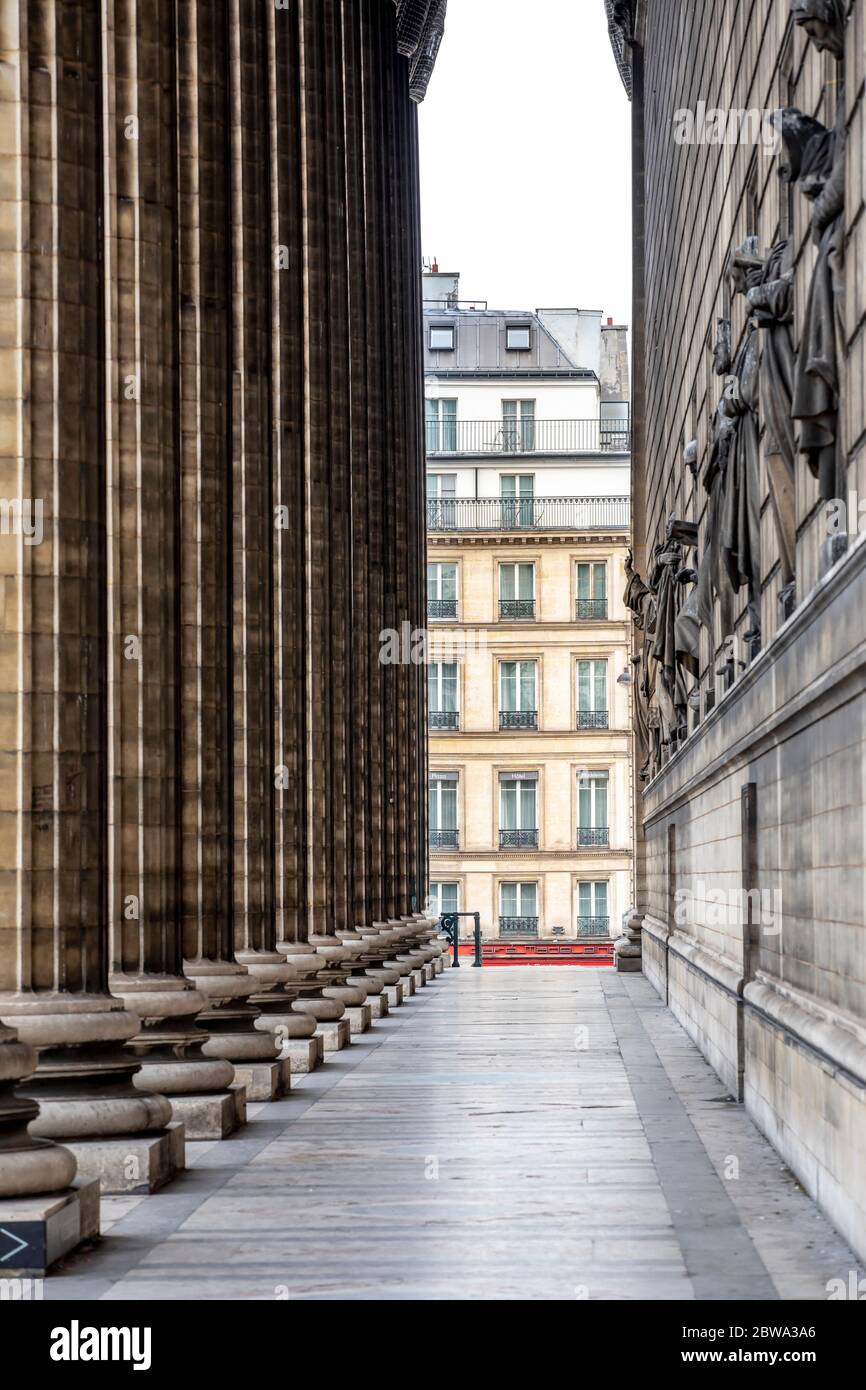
{"x":442,"y":337}
{"x":517,"y":337}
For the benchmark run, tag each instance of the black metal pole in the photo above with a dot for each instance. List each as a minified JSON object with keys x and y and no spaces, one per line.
{"x":478,"y":961}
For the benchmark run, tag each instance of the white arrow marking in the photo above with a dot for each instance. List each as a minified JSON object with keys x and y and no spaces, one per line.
{"x":22,"y":1244}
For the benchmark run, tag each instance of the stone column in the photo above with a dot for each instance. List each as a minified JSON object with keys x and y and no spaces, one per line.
{"x":54,"y":922}
{"x":144,"y":468}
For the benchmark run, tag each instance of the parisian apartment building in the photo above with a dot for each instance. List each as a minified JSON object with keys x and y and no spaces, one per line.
{"x":749,"y":585}
{"x":529,"y":678}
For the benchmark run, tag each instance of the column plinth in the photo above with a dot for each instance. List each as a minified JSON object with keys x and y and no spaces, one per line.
{"x":28,"y":1164}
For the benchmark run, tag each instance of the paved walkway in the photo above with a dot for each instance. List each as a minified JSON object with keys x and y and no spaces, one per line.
{"x":542,"y":1133}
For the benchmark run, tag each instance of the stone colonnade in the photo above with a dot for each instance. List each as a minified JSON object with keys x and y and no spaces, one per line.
{"x":212,"y":793}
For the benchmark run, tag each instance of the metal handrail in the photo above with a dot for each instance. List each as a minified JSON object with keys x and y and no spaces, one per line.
{"x":444,"y":839}
{"x":593,"y":719}
{"x":593,"y":926}
{"x":518,"y":839}
{"x":528,"y":436}
{"x":443,"y":719}
{"x":523,"y":926}
{"x":528,"y":514}
{"x":518,"y":719}
{"x":587,"y":836}
{"x":441,"y":608}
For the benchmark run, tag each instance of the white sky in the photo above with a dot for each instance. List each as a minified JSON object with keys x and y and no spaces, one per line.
{"x":525,"y":157}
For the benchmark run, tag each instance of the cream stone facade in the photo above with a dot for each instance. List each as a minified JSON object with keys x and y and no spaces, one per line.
{"x":529,"y":647}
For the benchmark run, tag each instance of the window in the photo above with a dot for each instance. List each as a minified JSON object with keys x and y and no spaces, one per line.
{"x":592,"y":591}
{"x":518,"y":337}
{"x":443,"y":810}
{"x":518,"y":909}
{"x":517,"y":491}
{"x":592,"y":695}
{"x":518,"y":426}
{"x":441,"y":591}
{"x":441,"y":426}
{"x":517,"y":591}
{"x":443,"y":898}
{"x":518,"y":700}
{"x":442,"y":337}
{"x":592,"y":810}
{"x":442,"y":695}
{"x":518,"y":810}
{"x":593,"y":918}
{"x":441,"y":506}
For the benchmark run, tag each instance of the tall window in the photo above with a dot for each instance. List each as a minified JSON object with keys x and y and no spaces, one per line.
{"x":518,"y":810}
{"x":518,"y":426}
{"x":592,"y":695}
{"x":517,"y":591}
{"x":518,"y":909}
{"x":518,"y":695}
{"x":442,"y":695}
{"x":592,"y":810}
{"x":592,"y":591}
{"x":593,"y":918}
{"x":441,"y":426}
{"x":441,"y":591}
{"x":441,"y":506}
{"x":443,"y":810}
{"x":517,"y":491}
{"x":443,"y":897}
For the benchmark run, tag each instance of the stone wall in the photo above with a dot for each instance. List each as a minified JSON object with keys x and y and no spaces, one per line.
{"x":757,"y":783}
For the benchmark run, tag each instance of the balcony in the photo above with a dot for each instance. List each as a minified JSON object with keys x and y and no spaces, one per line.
{"x":593,"y":837}
{"x":518,"y":839}
{"x":517,"y":610}
{"x":492,"y":514}
{"x":518,"y":719}
{"x":593,"y":926}
{"x":444,"y":839}
{"x":438,"y":608}
{"x":593,"y":719}
{"x":510,"y":437}
{"x":443,"y":719}
{"x":593,"y":610}
{"x":518,"y":926}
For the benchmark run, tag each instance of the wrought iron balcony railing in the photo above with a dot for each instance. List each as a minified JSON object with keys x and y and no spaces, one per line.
{"x":528,"y":514}
{"x":517,"y":609}
{"x":441,"y":608}
{"x":518,"y":839}
{"x":528,"y":436}
{"x":518,"y":719}
{"x":589,"y":837}
{"x":518,"y":926}
{"x":591,"y":609}
{"x":443,"y":719}
{"x":592,"y":719}
{"x":444,"y":839}
{"x":593,"y":926}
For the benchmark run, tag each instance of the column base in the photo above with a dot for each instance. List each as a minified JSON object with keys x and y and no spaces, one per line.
{"x":438,"y":965}
{"x":419,"y":977}
{"x":378,"y":1004}
{"x":335,"y":1034}
{"x":429,"y":972}
{"x":136,"y":1163}
{"x":36,"y":1232}
{"x":265,"y":1080}
{"x":360,"y":1017}
{"x":305,"y":1054}
{"x":394,"y":995}
{"x":627,"y":965}
{"x":213,"y":1116}
{"x":408,"y":986}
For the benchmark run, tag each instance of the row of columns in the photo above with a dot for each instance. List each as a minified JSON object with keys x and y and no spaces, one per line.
{"x":212,"y":793}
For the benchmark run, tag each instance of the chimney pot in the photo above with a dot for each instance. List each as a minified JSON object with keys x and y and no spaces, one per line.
{"x":610,"y":323}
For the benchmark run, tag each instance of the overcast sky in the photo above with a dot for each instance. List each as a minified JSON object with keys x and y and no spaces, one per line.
{"x":525,"y":158}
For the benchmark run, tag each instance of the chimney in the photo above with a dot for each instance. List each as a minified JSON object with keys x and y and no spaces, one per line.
{"x":434,"y":270}
{"x":610,"y":323}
